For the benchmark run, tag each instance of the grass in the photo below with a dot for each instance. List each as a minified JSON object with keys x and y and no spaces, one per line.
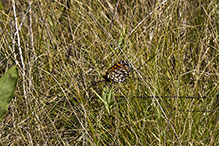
{"x":63,"y":48}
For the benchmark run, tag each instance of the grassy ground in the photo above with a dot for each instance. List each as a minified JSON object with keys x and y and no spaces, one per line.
{"x":61,"y":48}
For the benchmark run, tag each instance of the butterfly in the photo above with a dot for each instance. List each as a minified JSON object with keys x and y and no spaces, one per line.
{"x":118,"y":72}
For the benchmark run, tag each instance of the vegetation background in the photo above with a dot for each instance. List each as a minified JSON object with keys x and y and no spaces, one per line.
{"x":62,"y":47}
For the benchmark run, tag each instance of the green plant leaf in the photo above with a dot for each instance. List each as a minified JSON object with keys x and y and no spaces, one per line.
{"x":99,"y":96}
{"x":7,"y":87}
{"x":106,"y":99}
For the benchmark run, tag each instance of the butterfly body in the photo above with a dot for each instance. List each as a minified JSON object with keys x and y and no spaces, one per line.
{"x":118,"y":72}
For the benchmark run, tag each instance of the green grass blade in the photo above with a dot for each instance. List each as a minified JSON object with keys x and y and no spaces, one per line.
{"x":7,"y":87}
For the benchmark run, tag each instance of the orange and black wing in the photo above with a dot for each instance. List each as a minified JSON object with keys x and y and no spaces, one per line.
{"x":118,"y":72}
